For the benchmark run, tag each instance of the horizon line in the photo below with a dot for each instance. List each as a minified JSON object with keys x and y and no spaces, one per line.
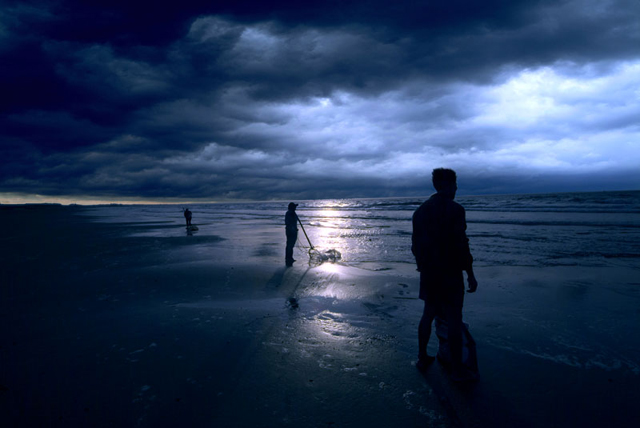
{"x":90,"y":201}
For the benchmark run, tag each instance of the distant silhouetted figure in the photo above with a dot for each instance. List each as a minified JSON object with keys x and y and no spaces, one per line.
{"x":441,"y":248}
{"x":291,"y":229}
{"x":187,"y":216}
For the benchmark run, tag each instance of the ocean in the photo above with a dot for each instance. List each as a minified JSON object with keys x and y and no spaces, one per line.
{"x":557,"y":229}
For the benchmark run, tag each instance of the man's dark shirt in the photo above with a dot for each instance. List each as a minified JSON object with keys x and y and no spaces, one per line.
{"x":290,"y":221}
{"x":439,"y":241}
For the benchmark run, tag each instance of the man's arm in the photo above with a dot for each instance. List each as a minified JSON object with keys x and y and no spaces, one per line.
{"x":460,"y":240}
{"x":472,"y":281}
{"x":460,"y":227}
{"x":417,"y":246}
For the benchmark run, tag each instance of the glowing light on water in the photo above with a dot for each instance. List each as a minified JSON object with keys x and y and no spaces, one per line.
{"x":326,"y":225}
{"x":329,"y":212}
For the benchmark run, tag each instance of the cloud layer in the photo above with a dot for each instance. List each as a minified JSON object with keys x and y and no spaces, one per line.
{"x":241,"y":101}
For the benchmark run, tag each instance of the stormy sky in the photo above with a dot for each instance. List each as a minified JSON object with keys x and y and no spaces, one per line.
{"x":242,"y":100}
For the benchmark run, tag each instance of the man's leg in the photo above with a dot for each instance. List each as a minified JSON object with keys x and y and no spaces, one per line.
{"x":424,"y":329}
{"x":431,"y":303}
{"x":453,"y":314}
{"x":428,"y":288}
{"x":291,"y":242}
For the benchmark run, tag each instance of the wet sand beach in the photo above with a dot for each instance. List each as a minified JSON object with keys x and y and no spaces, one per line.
{"x":103,"y":329}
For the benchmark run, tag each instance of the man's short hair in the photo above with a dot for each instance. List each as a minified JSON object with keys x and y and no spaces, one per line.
{"x":442,"y":177}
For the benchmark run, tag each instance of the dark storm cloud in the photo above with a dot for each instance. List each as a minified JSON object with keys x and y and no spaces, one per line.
{"x":241,"y":99}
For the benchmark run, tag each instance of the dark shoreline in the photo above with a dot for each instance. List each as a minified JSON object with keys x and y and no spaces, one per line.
{"x":74,"y":299}
{"x":101,"y":329}
{"x":98,"y":330}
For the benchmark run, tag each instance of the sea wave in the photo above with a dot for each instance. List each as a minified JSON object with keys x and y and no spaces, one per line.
{"x":543,"y":230}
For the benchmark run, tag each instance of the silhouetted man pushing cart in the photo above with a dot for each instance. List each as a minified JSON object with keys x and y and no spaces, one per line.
{"x":291,"y":229}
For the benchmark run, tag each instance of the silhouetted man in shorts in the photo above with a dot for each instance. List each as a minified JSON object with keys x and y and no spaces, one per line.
{"x":291,"y":229}
{"x":187,"y":216}
{"x":441,"y":248}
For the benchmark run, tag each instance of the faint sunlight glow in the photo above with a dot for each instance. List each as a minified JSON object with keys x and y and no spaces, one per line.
{"x":8,"y":198}
{"x":534,"y":96}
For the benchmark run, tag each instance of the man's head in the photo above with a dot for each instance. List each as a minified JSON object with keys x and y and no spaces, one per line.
{"x":445,"y":181}
{"x":292,"y":206}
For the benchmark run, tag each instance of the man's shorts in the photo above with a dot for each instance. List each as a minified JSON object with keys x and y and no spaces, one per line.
{"x":446,"y":288}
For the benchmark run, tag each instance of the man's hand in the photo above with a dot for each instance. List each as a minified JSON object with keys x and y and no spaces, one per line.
{"x":473,"y":284}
